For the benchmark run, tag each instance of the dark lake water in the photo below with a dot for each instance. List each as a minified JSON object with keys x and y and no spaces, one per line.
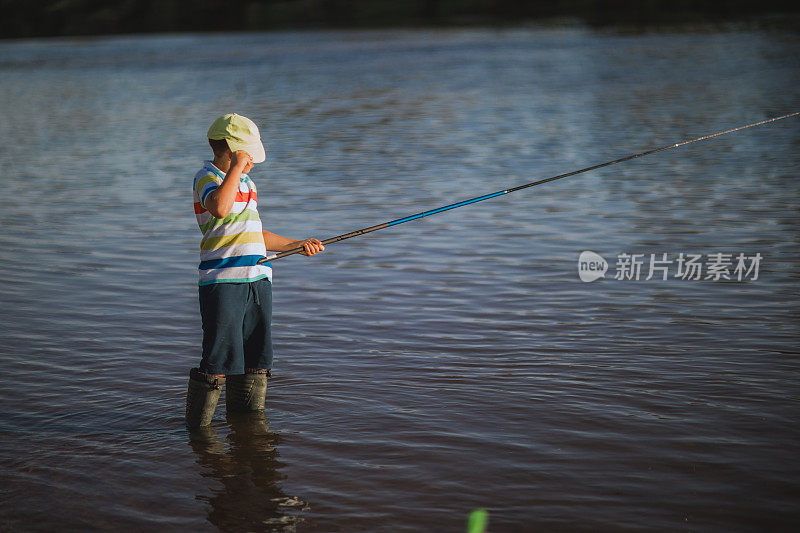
{"x":447,"y":364}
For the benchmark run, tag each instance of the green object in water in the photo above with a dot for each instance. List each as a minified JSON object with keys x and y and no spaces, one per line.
{"x":477,"y":521}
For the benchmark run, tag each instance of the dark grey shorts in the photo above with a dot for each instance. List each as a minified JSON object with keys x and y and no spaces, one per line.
{"x":236,"y":327}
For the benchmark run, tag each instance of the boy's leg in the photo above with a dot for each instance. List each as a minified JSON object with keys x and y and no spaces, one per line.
{"x":202,"y":397}
{"x":257,"y":331}
{"x":222,"y":309}
{"x":247,"y":392}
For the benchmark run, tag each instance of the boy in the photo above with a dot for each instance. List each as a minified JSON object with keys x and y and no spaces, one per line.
{"x":235,"y":291}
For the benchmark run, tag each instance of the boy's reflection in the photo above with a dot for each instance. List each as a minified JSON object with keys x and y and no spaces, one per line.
{"x":250,"y":498}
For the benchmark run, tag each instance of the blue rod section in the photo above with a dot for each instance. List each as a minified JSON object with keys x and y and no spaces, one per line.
{"x":445,"y":208}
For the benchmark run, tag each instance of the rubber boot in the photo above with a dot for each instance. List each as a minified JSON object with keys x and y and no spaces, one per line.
{"x":202,"y":397}
{"x":245,"y":393}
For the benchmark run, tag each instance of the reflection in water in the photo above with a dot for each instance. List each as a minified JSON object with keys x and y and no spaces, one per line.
{"x":246,"y":464}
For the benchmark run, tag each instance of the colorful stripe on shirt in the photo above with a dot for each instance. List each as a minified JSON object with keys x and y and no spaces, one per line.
{"x":231,"y":246}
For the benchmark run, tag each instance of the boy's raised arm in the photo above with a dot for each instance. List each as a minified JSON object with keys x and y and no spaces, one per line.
{"x":220,"y":201}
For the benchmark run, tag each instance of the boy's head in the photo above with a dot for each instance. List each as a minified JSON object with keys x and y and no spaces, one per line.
{"x":219,"y":146}
{"x":234,"y":132}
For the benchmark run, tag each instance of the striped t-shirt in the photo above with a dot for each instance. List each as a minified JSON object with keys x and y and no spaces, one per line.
{"x":231,"y":246}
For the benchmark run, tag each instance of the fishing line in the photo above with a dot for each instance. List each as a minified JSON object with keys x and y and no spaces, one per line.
{"x":448,"y":207}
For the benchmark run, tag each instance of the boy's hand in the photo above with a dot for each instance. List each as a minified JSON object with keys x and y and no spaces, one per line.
{"x":312,"y":246}
{"x":241,"y":159}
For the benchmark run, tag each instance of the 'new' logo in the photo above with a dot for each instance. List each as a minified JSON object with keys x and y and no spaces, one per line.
{"x":591,"y":266}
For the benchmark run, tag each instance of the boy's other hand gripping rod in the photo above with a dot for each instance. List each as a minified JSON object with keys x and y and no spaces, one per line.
{"x":513,"y":189}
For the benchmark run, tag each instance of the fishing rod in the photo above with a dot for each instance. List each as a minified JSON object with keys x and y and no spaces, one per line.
{"x":448,"y":207}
